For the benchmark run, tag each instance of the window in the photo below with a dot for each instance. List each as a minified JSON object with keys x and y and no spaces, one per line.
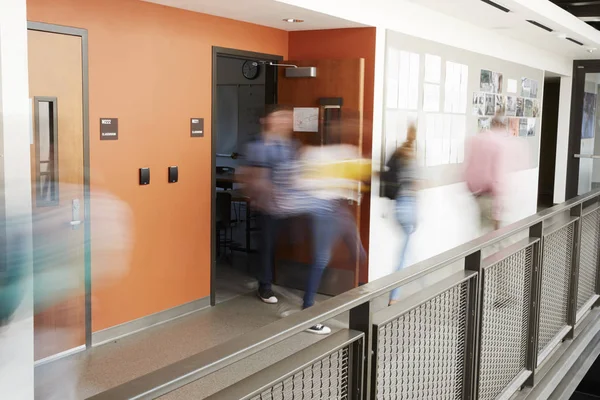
{"x":46,"y":151}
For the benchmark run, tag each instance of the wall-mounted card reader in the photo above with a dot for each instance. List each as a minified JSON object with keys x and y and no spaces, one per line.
{"x":144,"y":176}
{"x":173,"y":174}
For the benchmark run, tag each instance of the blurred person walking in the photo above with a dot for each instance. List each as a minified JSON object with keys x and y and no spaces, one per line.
{"x":400,"y":184}
{"x":268,"y":156}
{"x":486,"y":173}
{"x":272,"y":179}
{"x":56,"y":279}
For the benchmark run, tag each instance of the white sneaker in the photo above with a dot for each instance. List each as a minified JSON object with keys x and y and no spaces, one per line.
{"x":267,"y":296}
{"x":319,"y":329}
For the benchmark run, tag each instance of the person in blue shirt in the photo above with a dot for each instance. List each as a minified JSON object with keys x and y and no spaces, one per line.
{"x":270,"y":181}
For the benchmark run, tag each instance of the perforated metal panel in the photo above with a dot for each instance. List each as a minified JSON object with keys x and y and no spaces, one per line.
{"x":504,"y":325}
{"x":326,"y":379}
{"x":420,"y":355}
{"x":588,"y":260}
{"x":556,"y":271}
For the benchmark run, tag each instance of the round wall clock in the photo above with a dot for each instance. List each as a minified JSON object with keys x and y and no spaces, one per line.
{"x":250,"y":69}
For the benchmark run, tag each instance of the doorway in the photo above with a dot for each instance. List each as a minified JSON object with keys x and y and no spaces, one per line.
{"x":60,"y":186}
{"x":244,"y":83}
{"x":548,"y":142}
{"x":583,"y":165}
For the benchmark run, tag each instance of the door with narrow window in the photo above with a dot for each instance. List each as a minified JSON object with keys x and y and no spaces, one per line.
{"x":57,"y":174}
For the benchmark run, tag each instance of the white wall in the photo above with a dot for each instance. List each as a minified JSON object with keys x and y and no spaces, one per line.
{"x":447,"y":215}
{"x":16,"y":340}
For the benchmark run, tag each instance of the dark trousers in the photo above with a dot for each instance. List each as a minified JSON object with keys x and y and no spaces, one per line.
{"x":270,"y":227}
{"x":327,"y":228}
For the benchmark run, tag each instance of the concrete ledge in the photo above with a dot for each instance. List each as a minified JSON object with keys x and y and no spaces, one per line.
{"x":567,"y":367}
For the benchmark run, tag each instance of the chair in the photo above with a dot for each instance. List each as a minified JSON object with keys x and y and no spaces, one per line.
{"x":222,"y":170}
{"x":223,"y":215}
{"x":225,"y":171}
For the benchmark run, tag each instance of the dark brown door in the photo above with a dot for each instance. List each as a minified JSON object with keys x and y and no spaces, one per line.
{"x":336,"y":78}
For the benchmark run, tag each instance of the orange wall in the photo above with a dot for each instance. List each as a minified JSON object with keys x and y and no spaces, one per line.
{"x":150,"y":66}
{"x":345,"y":43}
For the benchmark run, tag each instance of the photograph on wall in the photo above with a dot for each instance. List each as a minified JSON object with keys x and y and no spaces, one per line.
{"x":485,"y":83}
{"x":520,"y":106}
{"x":528,"y":112}
{"x":499,"y":104}
{"x":490,"y":104}
{"x":511,"y":86}
{"x":525,"y":87}
{"x":530,"y":127}
{"x":536,"y":108}
{"x":513,"y":126}
{"x":589,"y":115}
{"x":478,"y":104}
{"x":523,"y":127}
{"x":533,"y":88}
{"x":497,"y":82}
{"x":511,"y":106}
{"x":484,"y":124}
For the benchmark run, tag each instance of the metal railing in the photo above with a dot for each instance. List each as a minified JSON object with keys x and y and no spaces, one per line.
{"x":481,"y":333}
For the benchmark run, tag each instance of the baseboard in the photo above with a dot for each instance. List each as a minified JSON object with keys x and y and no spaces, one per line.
{"x":60,"y":355}
{"x":128,"y":328}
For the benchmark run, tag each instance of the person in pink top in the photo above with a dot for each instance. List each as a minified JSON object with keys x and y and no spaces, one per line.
{"x":486,"y":173}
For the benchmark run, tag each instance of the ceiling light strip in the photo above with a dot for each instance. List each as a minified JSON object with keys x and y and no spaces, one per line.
{"x":544,"y":27}
{"x":496,"y":5}
{"x":574,"y":41}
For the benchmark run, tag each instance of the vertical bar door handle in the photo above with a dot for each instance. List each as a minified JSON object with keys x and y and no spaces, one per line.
{"x":75,"y":213}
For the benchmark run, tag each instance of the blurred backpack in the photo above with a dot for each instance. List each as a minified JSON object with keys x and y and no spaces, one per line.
{"x":390,"y":177}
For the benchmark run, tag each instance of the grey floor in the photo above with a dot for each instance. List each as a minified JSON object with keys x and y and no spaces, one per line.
{"x":238,"y":311}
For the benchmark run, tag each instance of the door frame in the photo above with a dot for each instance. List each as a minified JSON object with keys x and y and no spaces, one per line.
{"x":580,"y":68}
{"x":233,"y":53}
{"x":83,"y":34}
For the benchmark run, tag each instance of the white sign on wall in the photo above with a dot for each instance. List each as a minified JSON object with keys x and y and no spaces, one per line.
{"x":306,"y":119}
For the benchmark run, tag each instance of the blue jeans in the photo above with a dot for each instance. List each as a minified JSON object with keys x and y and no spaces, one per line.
{"x":406,"y":215}
{"x":327,"y":227}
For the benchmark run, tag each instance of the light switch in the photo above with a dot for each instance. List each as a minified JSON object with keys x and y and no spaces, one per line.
{"x":144,"y":176}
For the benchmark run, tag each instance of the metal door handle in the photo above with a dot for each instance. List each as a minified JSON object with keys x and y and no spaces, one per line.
{"x":75,"y":210}
{"x":587,"y":156}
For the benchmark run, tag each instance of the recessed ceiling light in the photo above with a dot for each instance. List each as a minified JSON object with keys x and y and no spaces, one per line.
{"x":591,"y":49}
{"x":561,"y":35}
{"x":293,"y":20}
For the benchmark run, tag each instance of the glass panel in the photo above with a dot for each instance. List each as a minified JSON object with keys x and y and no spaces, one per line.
{"x":589,"y":167}
{"x":47,"y":193}
{"x":44,"y":127}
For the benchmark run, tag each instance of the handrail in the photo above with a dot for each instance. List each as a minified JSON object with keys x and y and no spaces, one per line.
{"x":180,"y":373}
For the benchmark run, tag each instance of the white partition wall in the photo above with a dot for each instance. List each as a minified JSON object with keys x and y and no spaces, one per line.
{"x":434,"y":85}
{"x":16,"y":339}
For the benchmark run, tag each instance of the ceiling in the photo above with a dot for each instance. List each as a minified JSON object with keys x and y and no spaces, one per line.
{"x":587,"y":11}
{"x":515,"y":23}
{"x":262,"y":12}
